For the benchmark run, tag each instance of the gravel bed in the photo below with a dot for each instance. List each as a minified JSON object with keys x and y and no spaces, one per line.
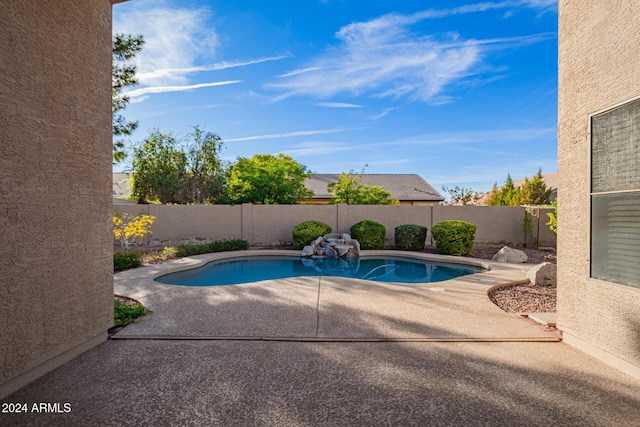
{"x":525,"y":298}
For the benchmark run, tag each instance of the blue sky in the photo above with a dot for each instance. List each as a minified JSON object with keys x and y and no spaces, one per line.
{"x":459,"y":92}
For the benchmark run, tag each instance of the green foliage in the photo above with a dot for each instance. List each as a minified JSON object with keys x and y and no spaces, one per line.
{"x":162,"y":171}
{"x":370,"y":234}
{"x":126,"y":260}
{"x":532,"y":192}
{"x":125,"y":314}
{"x":189,"y":249}
{"x":129,"y":229}
{"x":348,"y":189}
{"x":307,"y":231}
{"x":158,"y":168}
{"x":410,"y":237}
{"x":535,"y":192}
{"x":123,"y":75}
{"x":206,"y":171}
{"x":507,"y":195}
{"x":460,"y":195}
{"x":267,"y":179}
{"x":553,"y":218}
{"x":454,"y":237}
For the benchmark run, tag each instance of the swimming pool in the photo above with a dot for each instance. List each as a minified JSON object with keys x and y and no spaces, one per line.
{"x":393,"y":269}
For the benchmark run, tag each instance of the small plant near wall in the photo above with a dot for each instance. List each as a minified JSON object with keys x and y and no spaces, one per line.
{"x":130,"y":230}
{"x":410,"y":237}
{"x":307,"y":231}
{"x":553,"y":218}
{"x":127,"y":312}
{"x":454,"y":237}
{"x":370,"y":234}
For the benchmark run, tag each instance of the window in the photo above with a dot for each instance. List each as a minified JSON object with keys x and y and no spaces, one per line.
{"x":615,"y":195}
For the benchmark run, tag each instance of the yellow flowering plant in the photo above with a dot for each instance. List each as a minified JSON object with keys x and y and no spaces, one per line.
{"x":131,"y":230}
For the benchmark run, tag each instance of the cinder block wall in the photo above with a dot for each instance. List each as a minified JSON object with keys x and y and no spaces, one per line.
{"x":272,"y":224}
{"x":56,"y":286}
{"x":599,"y":66}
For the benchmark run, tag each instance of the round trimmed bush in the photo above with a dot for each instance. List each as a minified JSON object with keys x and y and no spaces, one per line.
{"x":126,"y":260}
{"x":454,"y":237}
{"x":307,"y":231}
{"x":410,"y":237}
{"x":369,"y":234}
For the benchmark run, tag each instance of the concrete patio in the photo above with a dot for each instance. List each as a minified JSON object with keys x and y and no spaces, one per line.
{"x":330,"y":351}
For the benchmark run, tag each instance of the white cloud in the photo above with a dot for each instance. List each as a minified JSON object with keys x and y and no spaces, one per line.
{"x":287,"y":134}
{"x":175,"y":38}
{"x":336,"y":105}
{"x":168,"y":73}
{"x":317,"y":148}
{"x":384,"y":58}
{"x":161,"y":89}
{"x":382,"y":114}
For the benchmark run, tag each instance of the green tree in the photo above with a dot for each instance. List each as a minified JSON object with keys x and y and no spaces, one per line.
{"x":123,"y":75}
{"x":535,"y":192}
{"x":267,"y":179}
{"x":206,"y":171}
{"x":460,"y":195}
{"x":507,"y":195}
{"x":159,"y":169}
{"x":348,"y":189}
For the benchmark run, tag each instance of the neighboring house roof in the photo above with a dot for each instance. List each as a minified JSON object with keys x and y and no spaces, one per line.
{"x":121,"y":186}
{"x":550,"y":180}
{"x":404,"y":187}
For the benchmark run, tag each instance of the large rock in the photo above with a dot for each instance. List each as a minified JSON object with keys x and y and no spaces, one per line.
{"x":307,"y":250}
{"x":507,"y":254}
{"x":544,"y":274}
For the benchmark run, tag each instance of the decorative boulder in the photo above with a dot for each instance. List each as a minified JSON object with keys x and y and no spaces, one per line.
{"x":507,"y":254}
{"x":544,"y":274}
{"x":332,"y":245}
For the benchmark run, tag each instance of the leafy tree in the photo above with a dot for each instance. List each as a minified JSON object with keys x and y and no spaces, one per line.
{"x":461,"y":196}
{"x":532,"y":192}
{"x":129,"y":229}
{"x":163,"y":171}
{"x":159,"y":168}
{"x":123,"y":75}
{"x":267,"y":179}
{"x":535,"y":192}
{"x":348,"y":189}
{"x":206,"y":174}
{"x":507,"y":195}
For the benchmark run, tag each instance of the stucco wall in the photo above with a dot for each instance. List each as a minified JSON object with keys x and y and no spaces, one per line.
{"x":272,"y":224}
{"x":599,"y":66}
{"x":56,"y":286}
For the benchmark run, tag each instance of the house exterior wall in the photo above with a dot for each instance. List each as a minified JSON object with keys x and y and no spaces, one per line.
{"x":56,"y":286}
{"x":599,"y":67}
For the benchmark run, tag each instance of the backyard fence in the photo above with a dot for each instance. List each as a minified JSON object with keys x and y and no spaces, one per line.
{"x":272,"y":224}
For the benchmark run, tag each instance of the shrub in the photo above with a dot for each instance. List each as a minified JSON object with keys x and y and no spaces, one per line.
{"x":189,"y":249}
{"x":454,"y":237}
{"x":126,"y":260}
{"x":127,"y":313}
{"x":410,"y":237}
{"x":307,"y":231}
{"x":131,"y":230}
{"x":369,"y":234}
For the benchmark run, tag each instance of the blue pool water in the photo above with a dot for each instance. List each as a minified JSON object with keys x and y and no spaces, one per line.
{"x":253,"y":269}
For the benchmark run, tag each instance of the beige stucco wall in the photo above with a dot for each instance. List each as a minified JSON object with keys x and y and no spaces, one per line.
{"x":56,"y":286}
{"x":272,"y":224}
{"x":599,"y":66}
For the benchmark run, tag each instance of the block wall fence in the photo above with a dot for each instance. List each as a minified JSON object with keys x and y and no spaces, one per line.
{"x":272,"y":224}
